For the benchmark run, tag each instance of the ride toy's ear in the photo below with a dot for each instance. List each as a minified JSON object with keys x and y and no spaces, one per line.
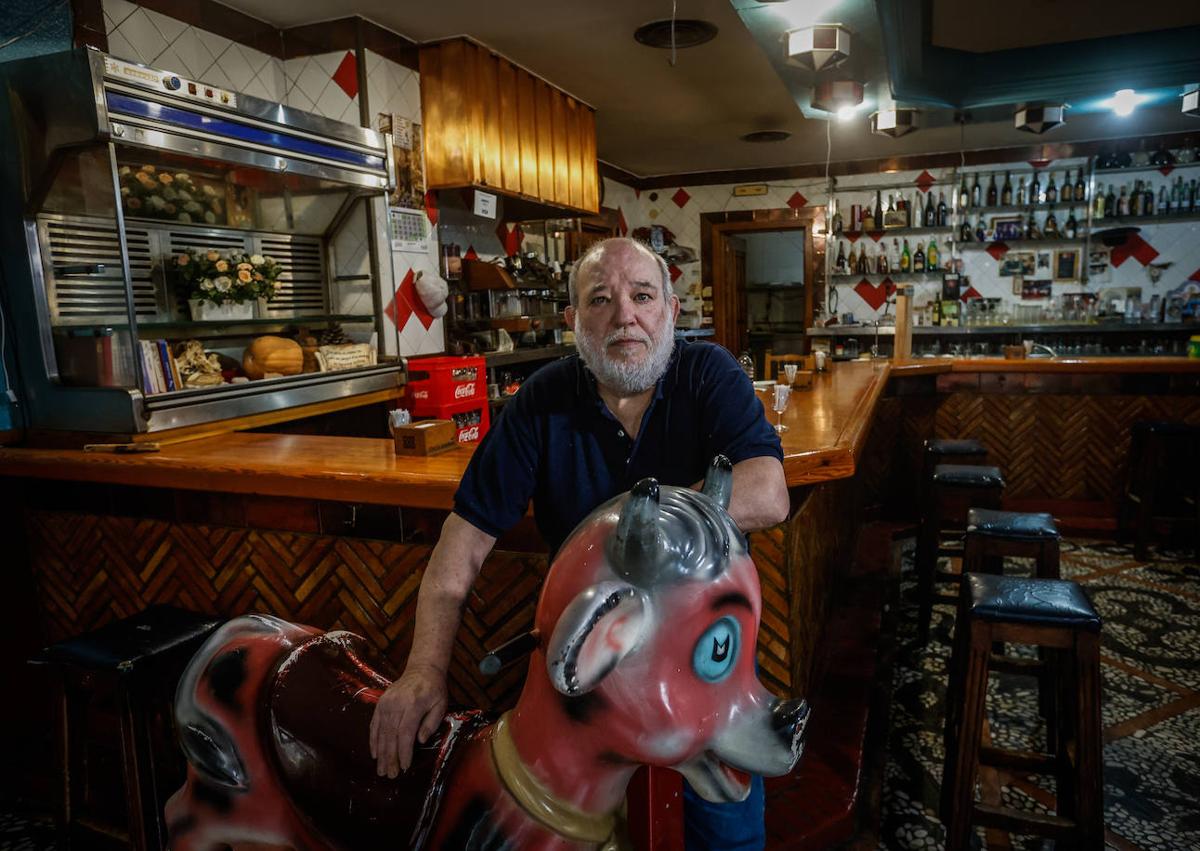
{"x":595,"y":632}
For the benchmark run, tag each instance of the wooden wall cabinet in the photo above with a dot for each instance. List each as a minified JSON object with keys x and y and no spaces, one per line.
{"x":491,"y":124}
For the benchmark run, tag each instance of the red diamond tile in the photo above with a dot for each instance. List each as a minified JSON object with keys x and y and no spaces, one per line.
{"x":675,"y":272}
{"x":406,"y":303}
{"x":1166,"y":170}
{"x":796,"y":201}
{"x":346,"y":75}
{"x":431,"y":208}
{"x":875,"y":234}
{"x":1040,"y":163}
{"x":1135,"y":247}
{"x":622,"y":225}
{"x":510,"y":237}
{"x":637,"y":193}
{"x":924,"y":181}
{"x":470,"y":253}
{"x":875,"y":294}
{"x":680,"y":197}
{"x":997,"y":250}
{"x":851,"y":235}
{"x":1195,"y":276}
{"x":970,"y":294}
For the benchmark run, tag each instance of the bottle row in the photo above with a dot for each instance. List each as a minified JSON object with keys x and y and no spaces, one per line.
{"x":1180,"y":199}
{"x":893,"y":212}
{"x":1018,"y":227}
{"x":1035,"y":193}
{"x":889,"y":259}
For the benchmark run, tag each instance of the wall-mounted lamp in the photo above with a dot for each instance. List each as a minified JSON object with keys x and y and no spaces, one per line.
{"x":1038,"y":118}
{"x":1191,"y":103}
{"x":836,"y":95}
{"x":893,"y":122}
{"x":819,"y":47}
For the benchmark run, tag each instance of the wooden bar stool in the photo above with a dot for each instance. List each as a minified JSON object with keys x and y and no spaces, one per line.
{"x":949,"y":451}
{"x":1164,"y":476}
{"x":954,"y":489}
{"x":992,"y":535}
{"x":138,"y":661}
{"x":1055,"y":615}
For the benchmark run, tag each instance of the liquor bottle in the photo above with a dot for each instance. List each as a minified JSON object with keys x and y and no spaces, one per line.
{"x":918,"y":260}
{"x":930,"y":212}
{"x":1006,"y":192}
{"x":1080,"y":187}
{"x":918,"y":219}
{"x":1067,"y":193}
{"x":931,"y":256}
{"x":1035,"y":189}
{"x":980,"y":230}
{"x":964,"y":232}
{"x":878,"y":211}
{"x":905,"y":259}
{"x":964,"y":195}
{"x":837,"y":221}
{"x":1050,"y":229}
{"x":1051,"y":192}
{"x":1021,"y":193}
{"x":1032,"y":231}
{"x":1173,"y":199}
{"x":839,"y":266}
{"x":881,"y":262}
{"x":1123,"y":201}
{"x":1110,"y":203}
{"x":1071,"y":228}
{"x":976,"y":192}
{"x":991,"y":192}
{"x":1099,"y":203}
{"x":894,"y":260}
{"x":943,"y":212}
{"x":1135,"y":199}
{"x":1164,"y":205}
{"x":1148,"y":200}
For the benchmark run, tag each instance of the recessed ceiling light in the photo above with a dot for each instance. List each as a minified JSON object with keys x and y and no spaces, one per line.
{"x":767,"y":136}
{"x":1191,"y":103}
{"x":687,"y":33}
{"x":1124,"y":102}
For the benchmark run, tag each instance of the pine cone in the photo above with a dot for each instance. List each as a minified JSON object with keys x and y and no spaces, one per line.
{"x":332,"y":336}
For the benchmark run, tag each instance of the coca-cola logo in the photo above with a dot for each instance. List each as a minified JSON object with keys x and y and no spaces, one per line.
{"x":420,"y":394}
{"x":468,"y":434}
{"x":464,"y":391}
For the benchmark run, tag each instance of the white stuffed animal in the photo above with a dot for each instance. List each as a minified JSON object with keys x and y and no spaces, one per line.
{"x":433,"y":292}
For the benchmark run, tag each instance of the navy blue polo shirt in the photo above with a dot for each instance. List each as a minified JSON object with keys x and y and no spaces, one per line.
{"x":556,"y":442}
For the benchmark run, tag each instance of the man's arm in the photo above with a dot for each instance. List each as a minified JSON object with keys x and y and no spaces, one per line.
{"x":413,"y":706}
{"x":760,"y":495}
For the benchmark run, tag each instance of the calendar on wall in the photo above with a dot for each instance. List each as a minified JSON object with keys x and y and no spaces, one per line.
{"x":409,"y":230}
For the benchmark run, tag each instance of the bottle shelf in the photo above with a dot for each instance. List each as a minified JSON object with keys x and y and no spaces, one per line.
{"x":1025,"y":208}
{"x":1020,"y":242}
{"x":1143,"y":168}
{"x":895,"y":276}
{"x":1170,"y":218}
{"x":882,"y":232}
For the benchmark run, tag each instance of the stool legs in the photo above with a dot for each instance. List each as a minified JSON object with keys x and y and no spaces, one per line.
{"x":964,"y":738}
{"x":926,"y":562}
{"x":1089,"y":764}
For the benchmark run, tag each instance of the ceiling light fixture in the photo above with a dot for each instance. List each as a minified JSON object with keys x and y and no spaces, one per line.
{"x":1039,"y":117}
{"x":836,"y":95}
{"x":687,"y":33}
{"x":1124,"y":102}
{"x":819,"y":47}
{"x":894,"y":122}
{"x":845,"y":113}
{"x":1191,"y":103}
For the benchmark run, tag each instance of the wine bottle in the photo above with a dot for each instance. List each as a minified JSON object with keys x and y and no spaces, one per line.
{"x":1051,"y":191}
{"x":980,"y":230}
{"x":1035,"y":189}
{"x":1099,"y":203}
{"x":1110,"y":203}
{"x":881,"y":262}
{"x":991,"y":192}
{"x":1135,"y":199}
{"x":1067,"y":192}
{"x":1123,"y":202}
{"x":918,"y":260}
{"x":1080,"y":187}
{"x":905,"y":259}
{"x":918,"y":213}
{"x":1021,"y":193}
{"x":943,"y":212}
{"x":1031,"y":230}
{"x":1164,"y":206}
{"x":931,"y":256}
{"x":976,"y":192}
{"x":1148,"y":200}
{"x":839,"y":265}
{"x":930,"y":212}
{"x":964,"y":231}
{"x":894,"y":261}
{"x":1050,"y":229}
{"x":1006,"y":195}
{"x":1071,"y":228}
{"x":878,"y":210}
{"x":964,"y":195}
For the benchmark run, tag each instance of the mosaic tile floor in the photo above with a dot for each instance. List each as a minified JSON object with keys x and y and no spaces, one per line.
{"x":1150,"y":709}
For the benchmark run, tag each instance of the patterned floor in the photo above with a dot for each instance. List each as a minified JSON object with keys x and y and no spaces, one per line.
{"x":1150,"y":708}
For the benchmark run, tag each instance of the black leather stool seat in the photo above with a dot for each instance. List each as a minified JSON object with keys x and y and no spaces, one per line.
{"x":944,"y":446}
{"x":968,"y":476}
{"x":126,"y":644}
{"x":1038,"y":602}
{"x":1011,"y":524}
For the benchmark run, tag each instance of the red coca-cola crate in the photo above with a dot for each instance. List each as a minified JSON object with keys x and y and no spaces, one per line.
{"x":443,"y":381}
{"x":470,"y":418}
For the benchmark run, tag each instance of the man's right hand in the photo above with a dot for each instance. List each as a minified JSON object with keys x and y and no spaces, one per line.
{"x":411,"y":708}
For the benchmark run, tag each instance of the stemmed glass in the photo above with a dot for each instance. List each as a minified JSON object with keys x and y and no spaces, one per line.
{"x":779,"y":405}
{"x":789,"y":372}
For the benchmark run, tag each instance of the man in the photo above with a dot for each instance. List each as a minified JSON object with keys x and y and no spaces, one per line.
{"x":634,"y":403}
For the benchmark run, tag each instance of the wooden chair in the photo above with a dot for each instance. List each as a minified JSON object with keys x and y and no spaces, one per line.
{"x":773,"y":364}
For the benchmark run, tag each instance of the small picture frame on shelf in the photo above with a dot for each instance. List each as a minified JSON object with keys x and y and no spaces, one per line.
{"x":1018,"y":285}
{"x":1032,"y":290}
{"x":1066,"y":264}
{"x":895,"y":219}
{"x":1021,"y":263}
{"x":1043,"y":269}
{"x":1099,"y":260}
{"x":1006,"y":227}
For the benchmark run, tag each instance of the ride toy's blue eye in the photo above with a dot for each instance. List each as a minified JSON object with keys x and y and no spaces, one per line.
{"x":717,"y":650}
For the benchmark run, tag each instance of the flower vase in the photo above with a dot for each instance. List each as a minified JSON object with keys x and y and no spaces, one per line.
{"x":206,"y":311}
{"x":261,"y":308}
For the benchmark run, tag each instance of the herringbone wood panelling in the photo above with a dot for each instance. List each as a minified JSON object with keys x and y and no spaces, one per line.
{"x":774,"y":634}
{"x":1058,"y":447}
{"x":93,"y":569}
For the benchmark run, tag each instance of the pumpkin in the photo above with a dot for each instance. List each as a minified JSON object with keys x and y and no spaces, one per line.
{"x":272,"y":354}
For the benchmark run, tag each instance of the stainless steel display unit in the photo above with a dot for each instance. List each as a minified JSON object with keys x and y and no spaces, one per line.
{"x":114,"y":172}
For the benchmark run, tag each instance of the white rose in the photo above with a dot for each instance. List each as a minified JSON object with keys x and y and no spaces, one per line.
{"x":257,"y":259}
{"x":123,"y":171}
{"x":206,"y":285}
{"x":183,"y":177}
{"x":224,"y":284}
{"x":208,"y":191}
{"x":185,"y":196}
{"x":185,"y":218}
{"x":193,"y":208}
{"x":210,"y":218}
{"x":156,"y":202}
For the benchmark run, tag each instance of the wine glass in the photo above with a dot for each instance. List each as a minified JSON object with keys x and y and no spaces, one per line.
{"x":779,"y":405}
{"x":789,"y":372}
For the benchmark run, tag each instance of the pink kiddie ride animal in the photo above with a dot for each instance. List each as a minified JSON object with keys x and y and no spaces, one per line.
{"x":647,"y":625}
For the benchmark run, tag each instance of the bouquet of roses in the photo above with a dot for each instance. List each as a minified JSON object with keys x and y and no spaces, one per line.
{"x":159,"y":194}
{"x":220,"y":279}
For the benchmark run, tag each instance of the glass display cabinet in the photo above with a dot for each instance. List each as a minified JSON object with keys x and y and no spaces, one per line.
{"x":176,"y":253}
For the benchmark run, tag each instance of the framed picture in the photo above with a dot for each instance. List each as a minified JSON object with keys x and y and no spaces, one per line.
{"x":1043,"y":267}
{"x":1066,"y":264}
{"x":1035,"y":290}
{"x":1099,"y":258}
{"x":1007,"y":227}
{"x":1017,"y":263}
{"x":1018,"y":285}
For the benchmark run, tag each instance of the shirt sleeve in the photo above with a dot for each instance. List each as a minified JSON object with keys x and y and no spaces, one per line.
{"x":734,"y":420}
{"x":494,"y":492}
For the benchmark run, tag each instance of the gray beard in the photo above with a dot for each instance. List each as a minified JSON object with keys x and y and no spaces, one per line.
{"x":628,"y":379}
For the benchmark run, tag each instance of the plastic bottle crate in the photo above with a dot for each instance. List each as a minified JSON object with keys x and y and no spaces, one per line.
{"x":444,"y":380}
{"x":470,"y":418}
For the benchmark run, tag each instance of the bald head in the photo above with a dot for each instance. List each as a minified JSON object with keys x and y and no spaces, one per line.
{"x":611,"y":249}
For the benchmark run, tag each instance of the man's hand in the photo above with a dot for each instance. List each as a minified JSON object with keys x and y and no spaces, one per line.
{"x":412,"y":707}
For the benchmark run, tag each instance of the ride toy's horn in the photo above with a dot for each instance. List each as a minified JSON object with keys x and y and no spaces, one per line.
{"x":718,"y":484}
{"x":636,"y":549}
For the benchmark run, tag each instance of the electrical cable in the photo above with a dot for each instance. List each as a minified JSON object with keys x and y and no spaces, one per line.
{"x":674,"y":6}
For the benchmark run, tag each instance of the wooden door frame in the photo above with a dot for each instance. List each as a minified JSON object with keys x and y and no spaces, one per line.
{"x":713,"y":229}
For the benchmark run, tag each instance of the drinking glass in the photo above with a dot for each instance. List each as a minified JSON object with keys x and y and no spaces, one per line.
{"x":789,"y":372}
{"x":779,"y":405}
